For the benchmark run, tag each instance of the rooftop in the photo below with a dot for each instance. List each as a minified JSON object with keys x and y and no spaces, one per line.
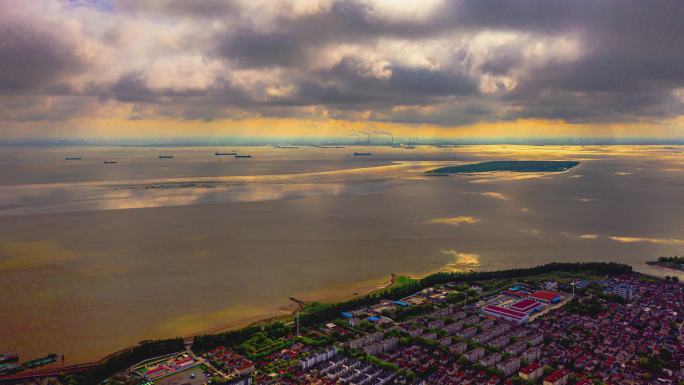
{"x":555,"y":376}
{"x":525,"y":305}
{"x":545,"y":295}
{"x":530,"y":368}
{"x":505,"y":311}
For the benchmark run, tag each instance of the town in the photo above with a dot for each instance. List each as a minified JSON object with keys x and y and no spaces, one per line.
{"x":560,"y":327}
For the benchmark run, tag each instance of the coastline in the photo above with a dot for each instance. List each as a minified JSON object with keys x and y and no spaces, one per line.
{"x":292,"y":308}
{"x":376,"y":286}
{"x":285,"y":313}
{"x":331,"y":294}
{"x":667,"y":265}
{"x":324,"y":295}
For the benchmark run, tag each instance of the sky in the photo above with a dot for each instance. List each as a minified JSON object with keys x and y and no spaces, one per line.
{"x":327,"y":68}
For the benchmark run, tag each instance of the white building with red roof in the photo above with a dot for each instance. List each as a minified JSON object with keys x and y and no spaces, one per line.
{"x":531,"y":372}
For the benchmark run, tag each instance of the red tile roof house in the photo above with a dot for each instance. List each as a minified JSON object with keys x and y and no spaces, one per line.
{"x":559,"y":377}
{"x":531,"y":372}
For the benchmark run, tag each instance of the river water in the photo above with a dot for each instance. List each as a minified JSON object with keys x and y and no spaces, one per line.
{"x":95,"y":257}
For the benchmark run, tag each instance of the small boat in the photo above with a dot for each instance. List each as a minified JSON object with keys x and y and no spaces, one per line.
{"x":9,"y":368}
{"x":109,"y":162}
{"x":225,"y":153}
{"x":362,"y":154}
{"x":165,"y":156}
{"x":8,"y":357}
{"x":50,"y":358}
{"x":242,"y":156}
{"x":73,"y":158}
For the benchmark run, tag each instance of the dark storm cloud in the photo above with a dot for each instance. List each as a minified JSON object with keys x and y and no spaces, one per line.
{"x":343,"y":84}
{"x":292,"y":40}
{"x":631,"y":63}
{"x":630,"y":46}
{"x":177,"y":8}
{"x":251,"y":48}
{"x":503,"y":61}
{"x":464,"y":61}
{"x":32,"y":57}
{"x":184,"y":104}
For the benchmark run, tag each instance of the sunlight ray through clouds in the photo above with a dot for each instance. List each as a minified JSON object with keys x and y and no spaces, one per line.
{"x":461,"y":261}
{"x":490,"y":194}
{"x":454,"y":221}
{"x":659,"y":241}
{"x":588,"y":236}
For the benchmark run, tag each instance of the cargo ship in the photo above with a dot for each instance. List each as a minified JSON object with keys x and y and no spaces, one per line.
{"x":242,"y":156}
{"x":165,"y":156}
{"x":9,"y":368}
{"x":8,"y":357}
{"x":50,"y":358}
{"x":73,"y":158}
{"x":362,"y":154}
{"x":225,"y":153}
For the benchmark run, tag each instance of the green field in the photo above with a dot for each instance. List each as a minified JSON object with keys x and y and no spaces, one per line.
{"x":508,"y":165}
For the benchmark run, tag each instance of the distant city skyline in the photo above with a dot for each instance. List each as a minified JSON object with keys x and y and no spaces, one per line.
{"x":311,"y":69}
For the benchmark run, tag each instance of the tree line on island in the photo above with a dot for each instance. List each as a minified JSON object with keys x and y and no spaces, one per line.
{"x":673,"y":259}
{"x":508,"y":165}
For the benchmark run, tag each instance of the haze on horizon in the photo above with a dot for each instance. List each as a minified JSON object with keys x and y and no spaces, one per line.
{"x":325,"y":68}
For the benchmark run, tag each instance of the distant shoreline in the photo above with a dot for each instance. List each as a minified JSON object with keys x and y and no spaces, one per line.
{"x":669,"y":265}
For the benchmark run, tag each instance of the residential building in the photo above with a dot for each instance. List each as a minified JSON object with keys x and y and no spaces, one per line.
{"x":531,"y":372}
{"x":474,"y":354}
{"x":559,"y":377}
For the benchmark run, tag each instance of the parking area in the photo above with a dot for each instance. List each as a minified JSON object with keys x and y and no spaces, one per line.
{"x":199,"y":375}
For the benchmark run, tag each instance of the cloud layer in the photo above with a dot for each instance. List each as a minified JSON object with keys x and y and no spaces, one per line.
{"x":438,"y":62}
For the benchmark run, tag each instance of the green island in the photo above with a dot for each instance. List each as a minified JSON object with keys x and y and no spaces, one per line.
{"x":674,"y":262}
{"x":507,"y":165}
